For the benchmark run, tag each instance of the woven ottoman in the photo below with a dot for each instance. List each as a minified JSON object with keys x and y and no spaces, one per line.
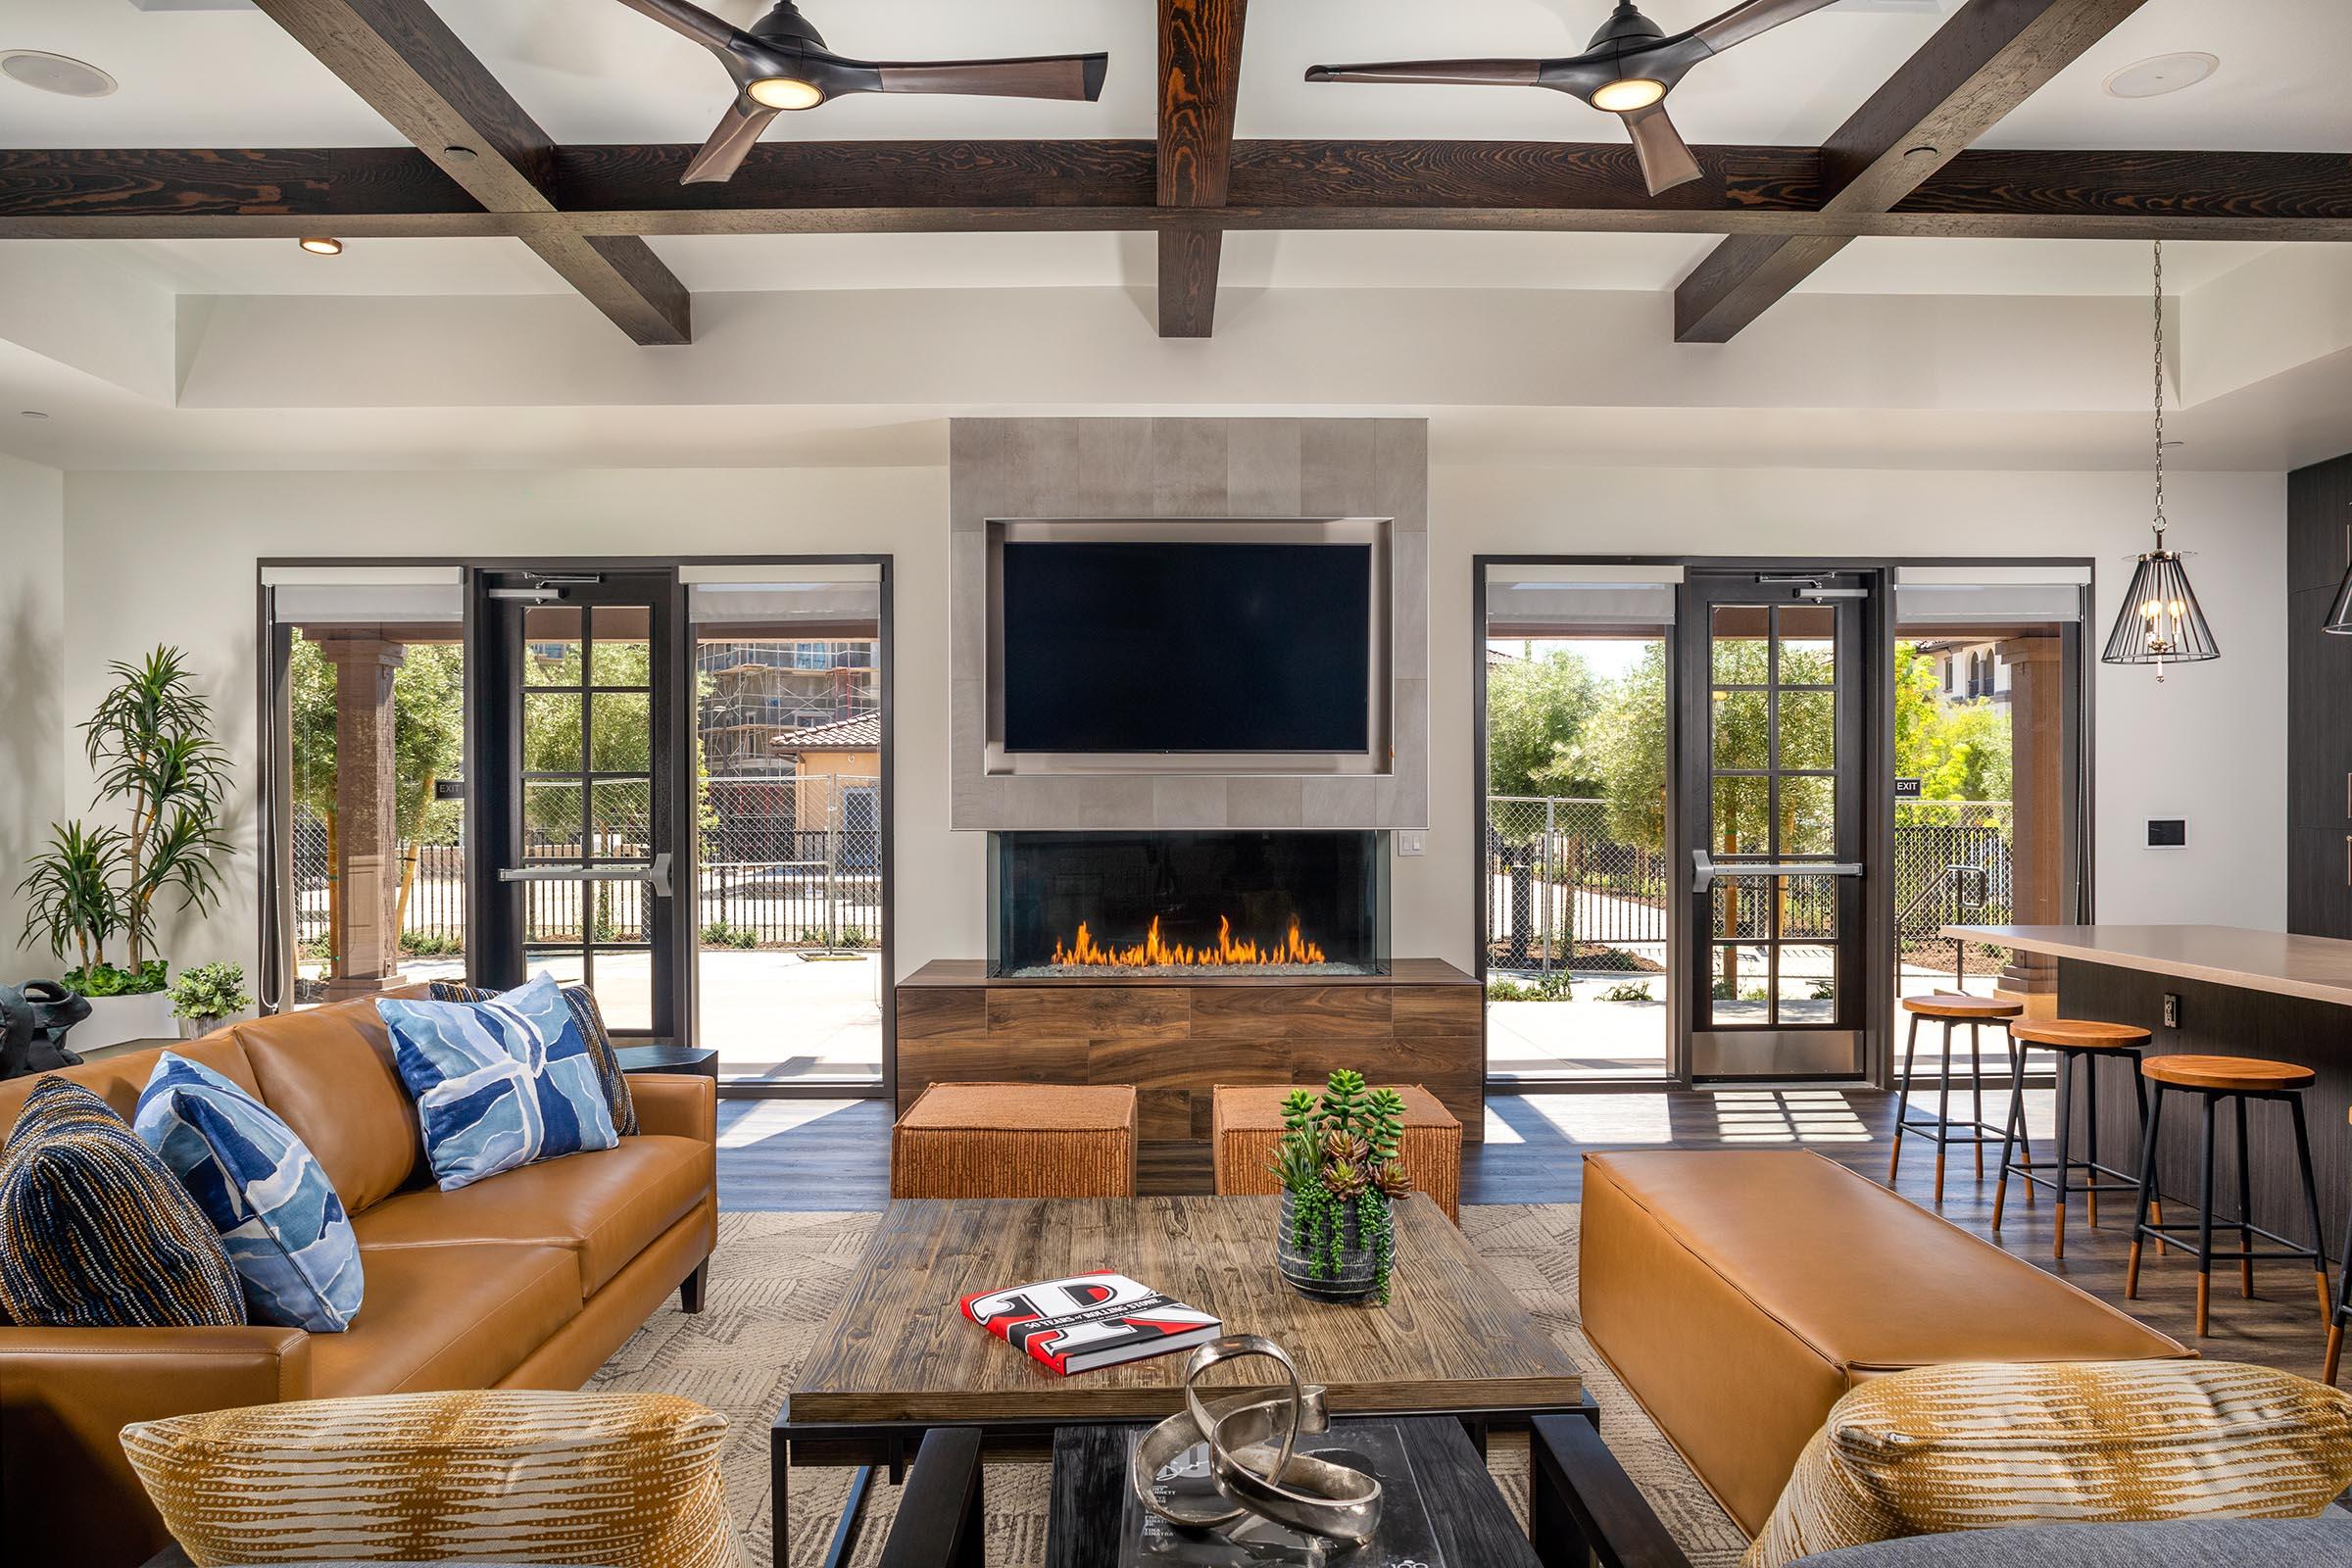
{"x":1247,"y":1128}
{"x":1015,"y":1140}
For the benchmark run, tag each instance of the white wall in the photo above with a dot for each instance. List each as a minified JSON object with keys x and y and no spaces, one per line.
{"x":32,"y":729}
{"x":2209,"y":745}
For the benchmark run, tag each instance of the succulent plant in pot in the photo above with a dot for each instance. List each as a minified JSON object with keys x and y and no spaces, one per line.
{"x":1339,"y":1170}
{"x":208,"y":996}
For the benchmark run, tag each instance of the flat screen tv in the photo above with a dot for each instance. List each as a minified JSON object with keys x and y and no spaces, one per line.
{"x":1163,"y":647}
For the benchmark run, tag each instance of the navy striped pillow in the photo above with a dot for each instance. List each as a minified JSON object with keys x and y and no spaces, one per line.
{"x":591,"y":1020}
{"x":95,"y":1233}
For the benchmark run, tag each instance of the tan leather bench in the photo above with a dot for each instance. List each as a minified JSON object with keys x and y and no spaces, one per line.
{"x":1738,"y":1293}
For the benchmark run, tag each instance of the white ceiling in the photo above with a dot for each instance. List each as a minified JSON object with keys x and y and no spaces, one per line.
{"x":592,"y":70}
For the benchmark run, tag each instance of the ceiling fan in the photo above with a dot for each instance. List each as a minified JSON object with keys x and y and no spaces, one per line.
{"x":1627,"y":71}
{"x":780,"y":63}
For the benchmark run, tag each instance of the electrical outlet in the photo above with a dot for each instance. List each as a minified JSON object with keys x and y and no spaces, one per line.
{"x":2172,"y":1010}
{"x":1413,"y":841}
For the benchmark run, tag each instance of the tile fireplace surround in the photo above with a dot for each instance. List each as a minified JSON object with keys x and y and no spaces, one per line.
{"x":1018,"y":469}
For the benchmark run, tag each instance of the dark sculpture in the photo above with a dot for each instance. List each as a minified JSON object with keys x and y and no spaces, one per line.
{"x":33,"y":1020}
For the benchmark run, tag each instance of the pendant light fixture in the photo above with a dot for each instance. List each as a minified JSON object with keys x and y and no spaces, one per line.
{"x":2339,"y":614}
{"x":2159,"y":622}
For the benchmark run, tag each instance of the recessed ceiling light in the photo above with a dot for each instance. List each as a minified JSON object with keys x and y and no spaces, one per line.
{"x":57,"y":74}
{"x":2161,"y":74}
{"x":321,"y":245}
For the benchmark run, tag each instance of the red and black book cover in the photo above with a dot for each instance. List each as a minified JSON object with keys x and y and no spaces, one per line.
{"x":1089,"y":1320}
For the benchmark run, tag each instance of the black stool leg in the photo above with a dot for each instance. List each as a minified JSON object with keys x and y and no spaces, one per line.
{"x":2311,"y":1205}
{"x":2147,"y":1185}
{"x":2090,"y":1134}
{"x":2343,"y":1310}
{"x":2205,"y":1220}
{"x":2066,"y":1134}
{"x":2245,"y":1209}
{"x":2139,"y":1092}
{"x":1943,"y":1110}
{"x":2009,"y":1127}
{"x":1975,"y":1081}
{"x":1902,"y":1100}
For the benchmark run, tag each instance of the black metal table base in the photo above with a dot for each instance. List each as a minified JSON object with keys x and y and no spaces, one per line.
{"x":889,"y":1446}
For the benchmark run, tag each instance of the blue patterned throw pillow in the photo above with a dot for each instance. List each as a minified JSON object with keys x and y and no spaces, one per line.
{"x":500,"y":1083}
{"x":591,"y":1019}
{"x":95,"y":1233}
{"x":276,"y":1213}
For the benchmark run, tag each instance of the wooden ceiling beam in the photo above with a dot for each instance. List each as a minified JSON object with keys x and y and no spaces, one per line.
{"x":1988,"y":58}
{"x":1199,"y":86}
{"x":910,"y":187}
{"x":402,"y":60}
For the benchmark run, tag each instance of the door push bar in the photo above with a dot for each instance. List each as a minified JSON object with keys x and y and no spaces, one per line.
{"x":657,"y":873}
{"x":1705,"y":870}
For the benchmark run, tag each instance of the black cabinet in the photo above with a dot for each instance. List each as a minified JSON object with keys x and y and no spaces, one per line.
{"x":2319,"y":704}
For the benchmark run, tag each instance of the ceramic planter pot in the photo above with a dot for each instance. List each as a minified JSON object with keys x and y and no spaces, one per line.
{"x":1356,"y":1277}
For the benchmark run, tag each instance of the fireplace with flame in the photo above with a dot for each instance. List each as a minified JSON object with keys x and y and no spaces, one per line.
{"x":1143,"y":905}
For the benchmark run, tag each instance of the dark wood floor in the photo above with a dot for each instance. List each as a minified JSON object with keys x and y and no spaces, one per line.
{"x":825,"y":1154}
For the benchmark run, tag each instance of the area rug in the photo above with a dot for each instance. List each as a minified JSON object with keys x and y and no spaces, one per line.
{"x":778,"y":1275}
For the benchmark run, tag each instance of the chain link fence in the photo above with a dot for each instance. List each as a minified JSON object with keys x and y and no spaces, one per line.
{"x":1563,"y":894}
{"x":795,"y":863}
{"x":1954,"y":864}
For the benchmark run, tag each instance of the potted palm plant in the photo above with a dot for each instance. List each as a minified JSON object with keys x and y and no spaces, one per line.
{"x":151,"y":748}
{"x":1339,"y":1170}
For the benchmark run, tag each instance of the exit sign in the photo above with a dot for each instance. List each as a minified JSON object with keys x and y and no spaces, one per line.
{"x":1906,"y":789}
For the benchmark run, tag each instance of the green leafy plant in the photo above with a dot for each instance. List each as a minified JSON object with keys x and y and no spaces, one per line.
{"x":1627,"y":991}
{"x":151,"y":746}
{"x":68,"y":892}
{"x":1553,"y":987}
{"x":430,"y":944}
{"x":853,"y":936}
{"x":209,"y":991}
{"x":104,"y":980}
{"x":1338,"y":1161}
{"x":721,"y":934}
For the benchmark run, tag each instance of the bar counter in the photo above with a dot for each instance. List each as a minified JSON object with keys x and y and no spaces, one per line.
{"x":2242,"y":993}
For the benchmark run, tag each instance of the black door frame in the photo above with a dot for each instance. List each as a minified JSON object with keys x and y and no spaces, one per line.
{"x":497,"y":912}
{"x":270,"y":693}
{"x":1879,"y":829}
{"x":1860,"y":722}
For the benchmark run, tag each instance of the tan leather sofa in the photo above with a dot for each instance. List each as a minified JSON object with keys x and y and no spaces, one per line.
{"x":526,"y":1280}
{"x":1738,"y":1293}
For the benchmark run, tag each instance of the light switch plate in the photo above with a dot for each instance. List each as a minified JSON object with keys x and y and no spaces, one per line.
{"x":1413,"y":841}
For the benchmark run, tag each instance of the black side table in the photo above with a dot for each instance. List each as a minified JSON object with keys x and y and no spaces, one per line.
{"x":701,"y":1059}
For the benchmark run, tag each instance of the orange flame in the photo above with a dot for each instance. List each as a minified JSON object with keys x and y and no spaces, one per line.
{"x":1154,"y":951}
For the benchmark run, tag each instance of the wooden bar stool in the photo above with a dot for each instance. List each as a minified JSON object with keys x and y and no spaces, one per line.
{"x":2343,"y":1307}
{"x":2236,"y":1079}
{"x":2088,"y":1042}
{"x":1950,"y":1009}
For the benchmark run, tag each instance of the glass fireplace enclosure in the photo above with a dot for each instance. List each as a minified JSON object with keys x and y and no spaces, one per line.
{"x":1187,"y":902}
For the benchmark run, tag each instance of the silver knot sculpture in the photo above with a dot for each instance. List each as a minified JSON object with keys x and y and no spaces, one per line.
{"x":1252,"y":1438}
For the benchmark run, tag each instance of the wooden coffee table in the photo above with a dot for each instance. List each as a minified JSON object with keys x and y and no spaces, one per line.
{"x":897,"y":1357}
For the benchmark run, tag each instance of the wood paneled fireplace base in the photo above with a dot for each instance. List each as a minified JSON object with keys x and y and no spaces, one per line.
{"x":1175,"y":1039}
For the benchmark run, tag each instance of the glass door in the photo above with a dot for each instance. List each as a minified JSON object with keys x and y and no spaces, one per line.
{"x":1774,"y":755}
{"x":577,"y":809}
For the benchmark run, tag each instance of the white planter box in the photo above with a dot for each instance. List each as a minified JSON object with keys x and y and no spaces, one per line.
{"x":115,"y":1019}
